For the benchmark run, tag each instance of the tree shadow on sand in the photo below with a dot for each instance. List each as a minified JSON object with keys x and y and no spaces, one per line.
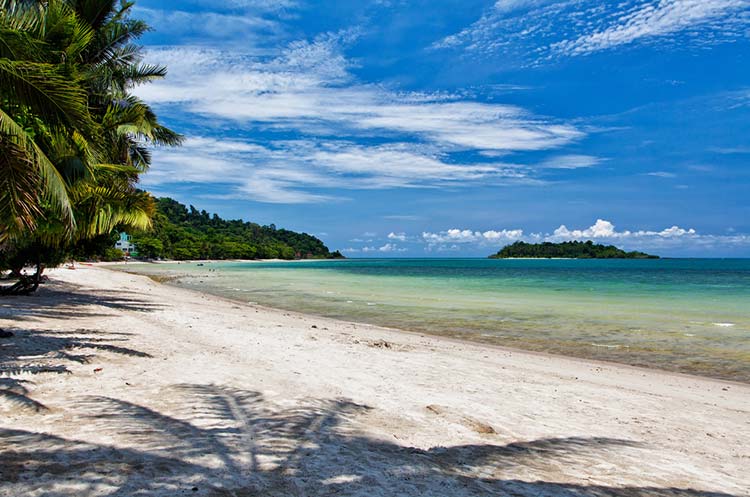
{"x":30,"y":353}
{"x":64,"y":300}
{"x":226,"y":442}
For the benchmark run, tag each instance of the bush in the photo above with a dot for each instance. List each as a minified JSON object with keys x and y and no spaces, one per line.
{"x":112,"y":254}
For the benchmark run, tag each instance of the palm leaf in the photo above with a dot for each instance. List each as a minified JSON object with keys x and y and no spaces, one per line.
{"x":49,"y":94}
{"x":40,"y":180}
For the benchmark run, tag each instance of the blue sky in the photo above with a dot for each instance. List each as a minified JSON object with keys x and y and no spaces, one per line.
{"x":451,"y":128}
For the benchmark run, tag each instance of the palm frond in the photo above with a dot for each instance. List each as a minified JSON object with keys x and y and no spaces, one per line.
{"x":47,"y":92}
{"x":48,"y":185}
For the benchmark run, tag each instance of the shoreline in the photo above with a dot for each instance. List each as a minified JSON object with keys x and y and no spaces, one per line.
{"x":477,"y":340}
{"x":169,"y":390}
{"x":165,"y":280}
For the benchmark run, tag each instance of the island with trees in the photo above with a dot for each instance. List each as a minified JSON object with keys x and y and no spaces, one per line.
{"x":566,"y":250}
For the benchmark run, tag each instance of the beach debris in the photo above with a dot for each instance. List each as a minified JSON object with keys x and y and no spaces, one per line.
{"x":314,"y":326}
{"x":97,"y":370}
{"x":381,"y":344}
{"x":6,"y":334}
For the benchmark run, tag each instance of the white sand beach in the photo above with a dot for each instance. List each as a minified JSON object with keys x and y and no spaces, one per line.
{"x":117,"y":385}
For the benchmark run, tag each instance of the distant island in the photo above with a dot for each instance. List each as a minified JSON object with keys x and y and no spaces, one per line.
{"x":567,"y":250}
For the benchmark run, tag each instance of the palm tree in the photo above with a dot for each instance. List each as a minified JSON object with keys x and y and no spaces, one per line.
{"x":73,"y":166}
{"x":42,"y":99}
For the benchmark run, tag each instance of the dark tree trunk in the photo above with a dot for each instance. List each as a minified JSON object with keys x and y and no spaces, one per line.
{"x":25,"y":285}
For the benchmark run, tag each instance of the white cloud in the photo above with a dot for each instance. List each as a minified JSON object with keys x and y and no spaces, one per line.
{"x":661,"y":174}
{"x":672,"y":238}
{"x":602,"y":231}
{"x":387,"y":248}
{"x":391,"y":247}
{"x":521,"y":29}
{"x":653,"y":19}
{"x":454,"y":235}
{"x":217,"y":27}
{"x":571,"y":162}
{"x":309,"y":88}
{"x":605,"y":229}
{"x":286,"y":171}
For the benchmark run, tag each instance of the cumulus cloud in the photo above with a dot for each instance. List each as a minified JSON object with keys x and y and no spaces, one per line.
{"x":605,"y":229}
{"x":674,"y":238}
{"x":602,"y":231}
{"x":454,"y":236}
{"x":387,"y":248}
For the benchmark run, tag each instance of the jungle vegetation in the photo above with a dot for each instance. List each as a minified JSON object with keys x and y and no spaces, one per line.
{"x":567,"y":250}
{"x":183,"y":233}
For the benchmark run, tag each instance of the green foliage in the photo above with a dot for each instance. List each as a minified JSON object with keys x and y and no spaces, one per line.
{"x":30,"y":252}
{"x":567,"y":250}
{"x":73,"y":139}
{"x":112,"y":254}
{"x":181,"y":233}
{"x":150,"y":247}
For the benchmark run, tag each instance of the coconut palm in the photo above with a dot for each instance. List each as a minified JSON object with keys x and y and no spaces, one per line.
{"x":42,"y":99}
{"x":76,"y":162}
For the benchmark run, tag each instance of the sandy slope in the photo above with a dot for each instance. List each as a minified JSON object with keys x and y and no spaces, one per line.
{"x":116,"y":385}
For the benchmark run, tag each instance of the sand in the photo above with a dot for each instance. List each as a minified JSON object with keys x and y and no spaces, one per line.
{"x":117,"y":385}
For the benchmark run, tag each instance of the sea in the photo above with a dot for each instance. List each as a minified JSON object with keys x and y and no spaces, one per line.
{"x":682,"y":315}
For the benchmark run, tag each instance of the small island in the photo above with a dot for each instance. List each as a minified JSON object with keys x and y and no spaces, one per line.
{"x":567,"y":250}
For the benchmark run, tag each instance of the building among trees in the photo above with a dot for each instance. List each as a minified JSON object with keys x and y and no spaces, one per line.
{"x":126,"y":245}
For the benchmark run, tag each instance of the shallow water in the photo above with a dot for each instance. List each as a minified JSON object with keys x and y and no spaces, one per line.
{"x":687,"y":315}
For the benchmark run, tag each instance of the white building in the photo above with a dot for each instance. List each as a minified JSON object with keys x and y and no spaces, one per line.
{"x":124,"y":244}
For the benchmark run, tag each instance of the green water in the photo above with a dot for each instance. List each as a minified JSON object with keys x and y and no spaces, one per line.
{"x":687,"y":315}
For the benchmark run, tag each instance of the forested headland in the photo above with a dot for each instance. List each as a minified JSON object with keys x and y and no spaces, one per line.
{"x":567,"y":250}
{"x":183,"y":233}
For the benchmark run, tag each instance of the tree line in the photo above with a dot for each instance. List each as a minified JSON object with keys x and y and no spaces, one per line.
{"x":184,"y":233}
{"x":567,"y":250}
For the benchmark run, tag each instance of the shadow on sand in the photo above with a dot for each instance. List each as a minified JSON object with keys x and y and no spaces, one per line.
{"x":63,"y":300}
{"x":225,"y":442}
{"x":31,"y":352}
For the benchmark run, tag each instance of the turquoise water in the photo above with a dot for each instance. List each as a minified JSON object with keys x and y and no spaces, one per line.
{"x":687,"y":315}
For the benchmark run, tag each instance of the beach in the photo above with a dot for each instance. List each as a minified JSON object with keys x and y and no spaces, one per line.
{"x":115,"y":384}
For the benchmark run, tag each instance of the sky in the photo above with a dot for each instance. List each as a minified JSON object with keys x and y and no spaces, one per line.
{"x":415,"y":128}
